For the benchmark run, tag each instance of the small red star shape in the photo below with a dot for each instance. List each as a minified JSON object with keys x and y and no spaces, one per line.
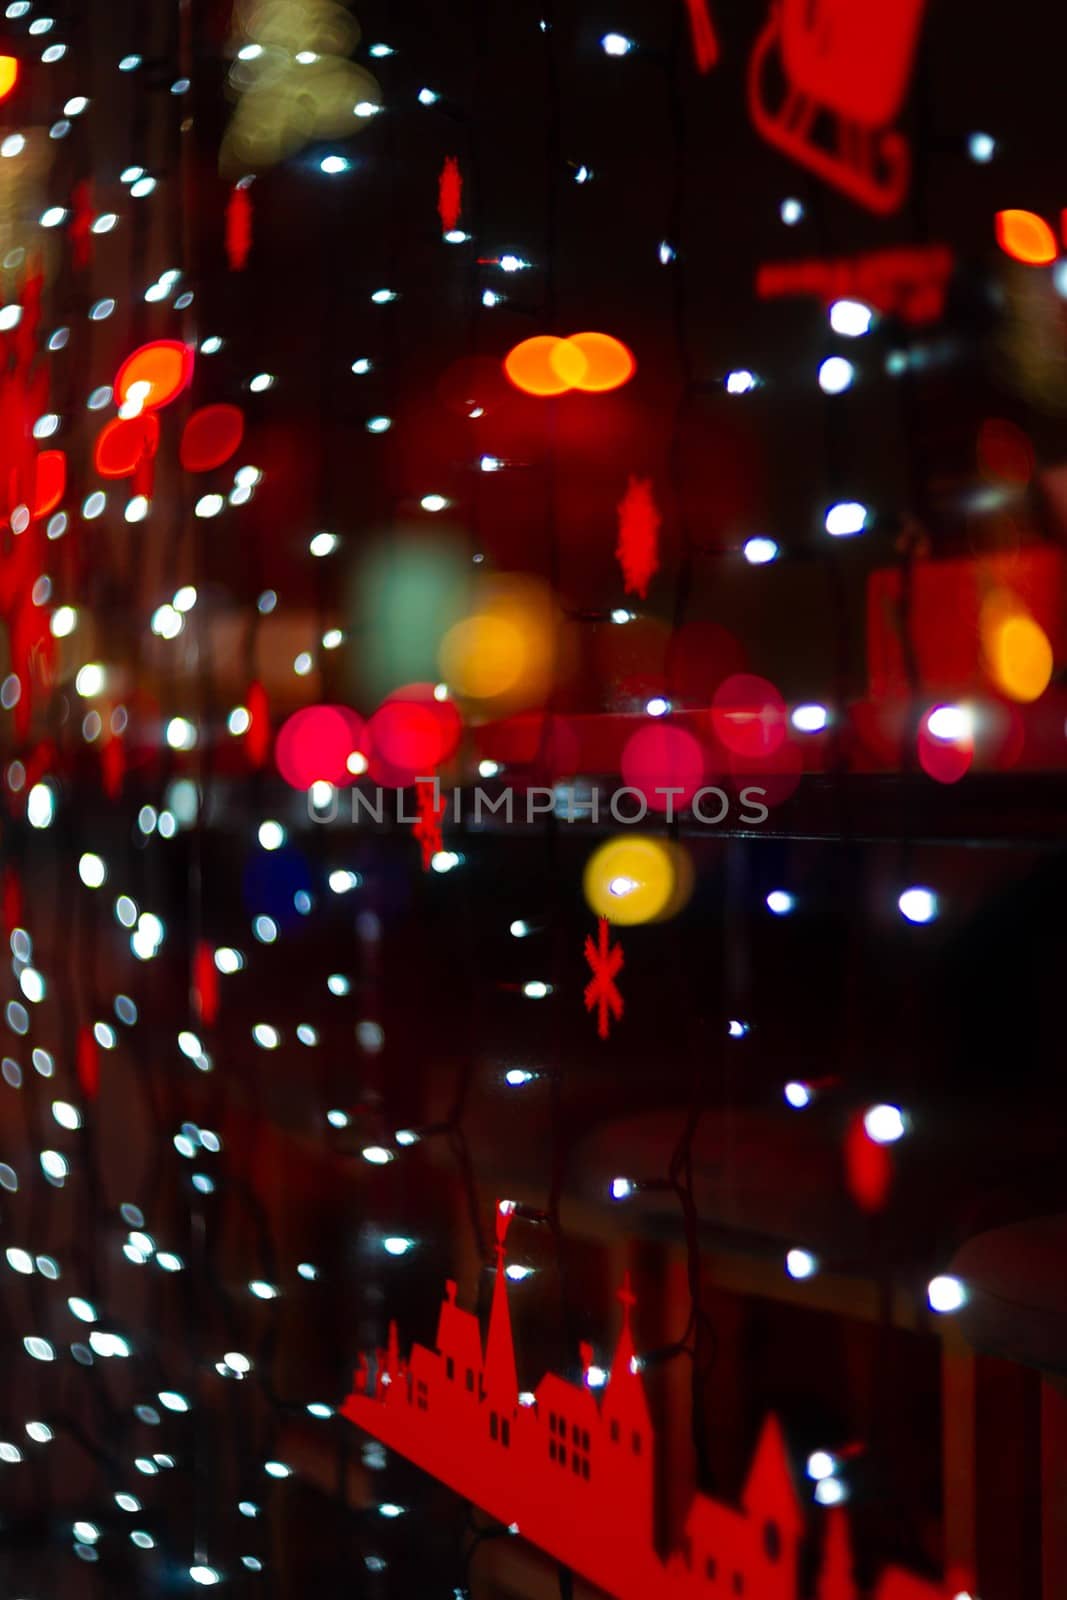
{"x":605,"y":963}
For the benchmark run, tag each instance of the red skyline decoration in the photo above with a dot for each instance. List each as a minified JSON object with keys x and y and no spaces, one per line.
{"x":843,"y":68}
{"x":571,"y":1467}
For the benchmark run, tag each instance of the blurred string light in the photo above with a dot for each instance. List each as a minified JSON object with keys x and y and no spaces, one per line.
{"x":951,"y":722}
{"x":946,"y":1294}
{"x":885,"y":1124}
{"x":836,"y":375}
{"x":809,"y":718}
{"x":918,"y":905}
{"x":846,"y":518}
{"x":760,"y":551}
{"x":851,"y":318}
{"x":801,"y":1264}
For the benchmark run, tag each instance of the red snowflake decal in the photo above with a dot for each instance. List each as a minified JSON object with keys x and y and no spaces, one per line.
{"x":605,"y":963}
{"x":238,"y":227}
{"x":449,"y":194}
{"x":427,"y":829}
{"x":638,"y":548}
{"x":705,"y":44}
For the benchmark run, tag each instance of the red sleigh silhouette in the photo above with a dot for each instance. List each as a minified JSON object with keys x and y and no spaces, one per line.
{"x":571,"y":1467}
{"x":846,"y":65}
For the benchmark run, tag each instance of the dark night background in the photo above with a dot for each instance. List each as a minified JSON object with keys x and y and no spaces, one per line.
{"x":959,"y":1424}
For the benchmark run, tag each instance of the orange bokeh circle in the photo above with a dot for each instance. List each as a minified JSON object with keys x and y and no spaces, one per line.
{"x":123,"y":444}
{"x":9,"y":75}
{"x":165,"y":365}
{"x":547,"y":365}
{"x":608,"y":362}
{"x":1026,"y":237}
{"x":543,"y":365}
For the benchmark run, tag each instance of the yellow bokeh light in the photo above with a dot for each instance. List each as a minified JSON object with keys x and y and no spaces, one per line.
{"x":503,"y":652}
{"x":545,"y":365}
{"x":1017,"y":651}
{"x":484,"y":656}
{"x":632,"y":879}
{"x":1020,"y":657}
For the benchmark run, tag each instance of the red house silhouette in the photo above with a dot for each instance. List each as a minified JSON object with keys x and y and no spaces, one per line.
{"x":573,"y":1472}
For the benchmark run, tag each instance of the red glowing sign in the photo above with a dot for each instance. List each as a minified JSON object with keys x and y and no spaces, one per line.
{"x":572,"y":1466}
{"x":910,"y":283}
{"x":846,"y":66}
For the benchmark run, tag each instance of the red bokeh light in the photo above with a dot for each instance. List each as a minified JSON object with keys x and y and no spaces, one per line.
{"x":609,"y":364}
{"x":748,"y":715}
{"x":658,"y":757}
{"x":211,"y":437}
{"x":944,"y":760}
{"x":546,"y":365}
{"x":410,"y":736}
{"x":124,"y":443}
{"x":51,"y":481}
{"x":314,"y":745}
